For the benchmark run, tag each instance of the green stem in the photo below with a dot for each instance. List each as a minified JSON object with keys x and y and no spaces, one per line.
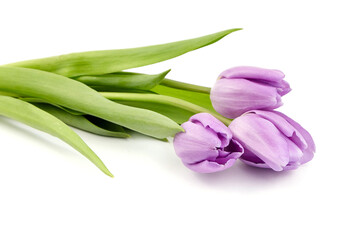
{"x":161,"y":99}
{"x":185,"y":86}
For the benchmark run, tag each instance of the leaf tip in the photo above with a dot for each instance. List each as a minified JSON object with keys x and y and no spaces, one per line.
{"x":233,"y":30}
{"x":109,"y":174}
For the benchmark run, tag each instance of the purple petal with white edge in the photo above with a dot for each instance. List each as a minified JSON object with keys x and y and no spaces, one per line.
{"x":302,"y":131}
{"x":233,"y":97}
{"x":295,"y":153}
{"x":196,"y":143}
{"x":284,"y":126}
{"x":207,"y":166}
{"x":270,"y":77}
{"x":262,"y":138}
{"x":254,"y":73}
{"x":311,"y":148}
{"x":209,"y":121}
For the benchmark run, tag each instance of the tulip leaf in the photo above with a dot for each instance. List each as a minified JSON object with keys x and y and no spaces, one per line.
{"x":175,"y":108}
{"x":66,"y":92}
{"x":123,"y":80}
{"x":38,"y":100}
{"x":185,"y":86}
{"x":34,"y":117}
{"x":198,"y":98}
{"x":110,"y":61}
{"x":177,"y":114}
{"x":85,"y":122}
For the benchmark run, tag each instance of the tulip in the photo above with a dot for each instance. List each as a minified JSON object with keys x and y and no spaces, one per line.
{"x":241,"y":89}
{"x":206,"y":145}
{"x":272,"y":140}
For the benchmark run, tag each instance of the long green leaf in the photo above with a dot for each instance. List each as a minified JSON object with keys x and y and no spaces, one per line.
{"x":198,"y":98}
{"x":109,"y":61}
{"x":72,"y":94}
{"x":123,"y":80}
{"x":158,"y":102}
{"x":34,"y":117}
{"x":85,"y":123}
{"x":177,"y":114}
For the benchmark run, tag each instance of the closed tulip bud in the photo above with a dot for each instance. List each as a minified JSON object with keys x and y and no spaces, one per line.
{"x":206,"y":145}
{"x":272,"y":140}
{"x":241,"y":89}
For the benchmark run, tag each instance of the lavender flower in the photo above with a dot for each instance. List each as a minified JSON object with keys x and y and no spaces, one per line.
{"x":241,"y":89}
{"x":272,"y":140}
{"x":206,"y":145}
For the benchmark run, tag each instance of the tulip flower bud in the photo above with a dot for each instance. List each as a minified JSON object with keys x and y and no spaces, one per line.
{"x":241,"y":89}
{"x":272,"y":140}
{"x":206,"y":145}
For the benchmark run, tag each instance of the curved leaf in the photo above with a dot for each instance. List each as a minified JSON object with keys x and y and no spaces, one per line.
{"x":109,"y":61}
{"x":123,"y":80}
{"x":34,"y":117}
{"x":86,"y":123}
{"x":72,"y":94}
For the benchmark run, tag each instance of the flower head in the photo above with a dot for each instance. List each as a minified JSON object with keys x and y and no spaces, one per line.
{"x":241,"y":89}
{"x":272,"y":140}
{"x":206,"y":145}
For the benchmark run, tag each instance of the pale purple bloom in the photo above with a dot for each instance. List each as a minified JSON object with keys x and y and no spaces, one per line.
{"x":272,"y":140}
{"x":241,"y":89}
{"x":206,"y":145}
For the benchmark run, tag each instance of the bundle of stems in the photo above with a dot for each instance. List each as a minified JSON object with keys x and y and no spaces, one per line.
{"x":91,"y":91}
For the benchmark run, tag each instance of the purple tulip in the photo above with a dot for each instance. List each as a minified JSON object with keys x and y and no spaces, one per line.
{"x":272,"y":140}
{"x":241,"y":89}
{"x":206,"y":145}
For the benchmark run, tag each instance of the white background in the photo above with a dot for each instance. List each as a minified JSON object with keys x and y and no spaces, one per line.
{"x":49,"y":191}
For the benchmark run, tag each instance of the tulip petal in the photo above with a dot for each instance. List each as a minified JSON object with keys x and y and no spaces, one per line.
{"x":261,"y":75}
{"x":233,"y":97}
{"x":262,"y":138}
{"x":295,"y":153}
{"x":301,"y":130}
{"x":210,"y":122}
{"x":254,"y":73}
{"x":206,"y":145}
{"x":234,"y":146}
{"x":284,"y":126}
{"x":283,"y":88}
{"x":295,"y":156}
{"x":254,"y":164}
{"x":311,"y":148}
{"x":207,"y":166}
{"x":191,"y":146}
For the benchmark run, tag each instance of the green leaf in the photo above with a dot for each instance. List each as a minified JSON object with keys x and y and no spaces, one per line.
{"x":85,"y":122}
{"x":34,"y":117}
{"x":162,"y":104}
{"x":198,"y":98}
{"x":185,"y":86}
{"x":38,"y":100}
{"x":177,"y":114}
{"x":123,"y":80}
{"x":110,"y":61}
{"x":72,"y":94}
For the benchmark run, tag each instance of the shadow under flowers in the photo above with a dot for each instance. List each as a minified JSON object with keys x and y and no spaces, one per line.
{"x":244,"y":177}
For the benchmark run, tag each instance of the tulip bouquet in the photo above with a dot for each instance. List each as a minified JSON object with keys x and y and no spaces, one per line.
{"x":258,"y":136}
{"x":212,"y":128}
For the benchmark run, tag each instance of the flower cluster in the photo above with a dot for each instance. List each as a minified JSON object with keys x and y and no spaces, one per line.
{"x":258,"y":135}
